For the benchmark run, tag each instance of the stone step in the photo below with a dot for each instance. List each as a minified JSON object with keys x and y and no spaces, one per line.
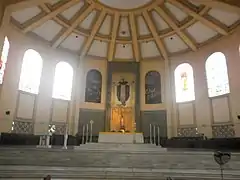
{"x":103,"y":159}
{"x":113,"y":173}
{"x":120,"y":145}
{"x":131,"y":148}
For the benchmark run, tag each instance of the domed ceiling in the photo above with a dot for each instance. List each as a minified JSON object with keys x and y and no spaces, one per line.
{"x":129,"y":30}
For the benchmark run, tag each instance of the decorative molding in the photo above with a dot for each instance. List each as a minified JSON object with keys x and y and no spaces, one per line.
{"x":229,"y":109}
{"x":223,"y":131}
{"x":194,"y":114}
{"x":23,"y":127}
{"x":187,"y":132}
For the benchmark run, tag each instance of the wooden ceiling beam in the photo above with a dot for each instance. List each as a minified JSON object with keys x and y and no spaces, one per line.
{"x":134,"y":37}
{"x":171,"y":23}
{"x":208,"y":23}
{"x":112,"y":45}
{"x":220,"y":5}
{"x":16,"y":5}
{"x":49,"y":16}
{"x":65,"y":34}
{"x":94,"y":31}
{"x":157,"y":39}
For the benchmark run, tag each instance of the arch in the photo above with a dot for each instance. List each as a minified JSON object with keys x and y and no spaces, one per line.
{"x":153,"y":88}
{"x":62,"y":87}
{"x":184,"y":83}
{"x":4,"y":57}
{"x":93,"y":86}
{"x":217,"y":75}
{"x":31,"y":72}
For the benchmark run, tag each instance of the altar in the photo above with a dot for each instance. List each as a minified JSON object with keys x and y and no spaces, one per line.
{"x":121,"y":138}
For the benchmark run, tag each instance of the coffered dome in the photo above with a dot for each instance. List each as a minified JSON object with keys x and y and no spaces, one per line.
{"x":129,"y":29}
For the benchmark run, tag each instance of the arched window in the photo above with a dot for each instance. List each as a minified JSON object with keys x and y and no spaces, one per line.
{"x":93,"y":86}
{"x":217,"y":75}
{"x":4,"y":56}
{"x":62,"y":87}
{"x":184,"y":83}
{"x":153,"y":88}
{"x":31,"y":72}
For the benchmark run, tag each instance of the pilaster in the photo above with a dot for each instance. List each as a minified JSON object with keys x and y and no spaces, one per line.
{"x":171,"y":125}
{"x":77,"y":97}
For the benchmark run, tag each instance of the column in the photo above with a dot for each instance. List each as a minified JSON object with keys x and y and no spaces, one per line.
{"x":77,"y":96}
{"x":171,"y":123}
{"x":4,"y":22}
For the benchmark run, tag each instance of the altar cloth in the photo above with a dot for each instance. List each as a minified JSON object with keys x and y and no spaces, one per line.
{"x":118,"y":137}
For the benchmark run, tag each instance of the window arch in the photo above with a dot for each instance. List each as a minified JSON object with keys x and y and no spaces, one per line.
{"x":217,"y":75}
{"x":4,"y":56}
{"x":153,"y":88}
{"x":184,"y":83}
{"x":31,"y":72}
{"x":62,"y":87}
{"x":93,"y":86}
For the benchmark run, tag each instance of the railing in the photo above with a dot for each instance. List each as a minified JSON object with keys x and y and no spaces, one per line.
{"x":154,"y":134}
{"x":87,"y":133}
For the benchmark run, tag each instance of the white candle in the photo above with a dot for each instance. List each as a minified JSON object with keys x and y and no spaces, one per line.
{"x":150,"y":133}
{"x":83,"y":134}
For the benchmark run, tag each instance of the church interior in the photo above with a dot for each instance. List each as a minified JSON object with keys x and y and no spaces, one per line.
{"x":135,"y":76}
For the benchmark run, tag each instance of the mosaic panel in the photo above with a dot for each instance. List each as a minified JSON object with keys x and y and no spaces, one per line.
{"x":187,"y":132}
{"x":223,"y":131}
{"x":22,"y":127}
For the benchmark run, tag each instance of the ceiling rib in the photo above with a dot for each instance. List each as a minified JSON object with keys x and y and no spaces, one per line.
{"x":171,"y":23}
{"x":49,"y":16}
{"x":134,"y":37}
{"x":153,"y":30}
{"x":63,"y":36}
{"x":121,"y":41}
{"x":15,"y":5}
{"x":94,"y":31}
{"x":198,"y":17}
{"x":220,"y":5}
{"x":112,"y":45}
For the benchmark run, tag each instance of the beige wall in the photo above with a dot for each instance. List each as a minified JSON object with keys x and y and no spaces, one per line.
{"x":45,"y":108}
{"x":199,"y":113}
{"x":224,"y":110}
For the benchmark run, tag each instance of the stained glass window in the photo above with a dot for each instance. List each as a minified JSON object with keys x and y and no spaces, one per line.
{"x":217,"y":75}
{"x":184,"y":83}
{"x":93,"y":88}
{"x":31,"y":72}
{"x":4,"y":56}
{"x":62,"y":87}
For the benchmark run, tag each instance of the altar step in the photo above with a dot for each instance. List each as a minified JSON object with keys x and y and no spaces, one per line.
{"x":131,"y":148}
{"x":111,"y":164}
{"x":76,"y":173}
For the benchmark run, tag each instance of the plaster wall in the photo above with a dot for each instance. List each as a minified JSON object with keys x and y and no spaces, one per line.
{"x":203,"y":113}
{"x":209,"y":112}
{"x":21,"y":104}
